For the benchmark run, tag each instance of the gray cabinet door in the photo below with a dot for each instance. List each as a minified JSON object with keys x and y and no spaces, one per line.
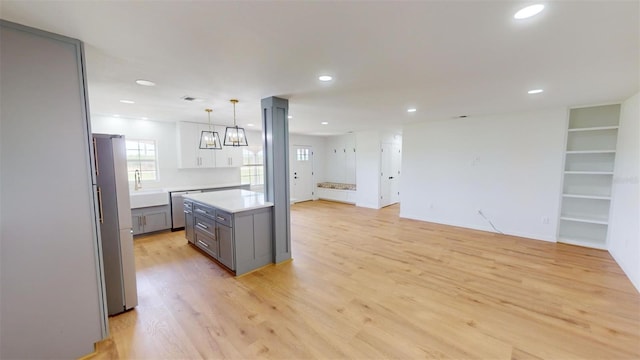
{"x":156,"y":220}
{"x":136,"y":220}
{"x":206,"y":242}
{"x":150,"y":219}
{"x":225,"y":240}
{"x":188,"y":226}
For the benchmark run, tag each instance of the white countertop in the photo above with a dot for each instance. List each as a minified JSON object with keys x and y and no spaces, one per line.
{"x":200,"y":187}
{"x":232,"y":201}
{"x":147,"y":197}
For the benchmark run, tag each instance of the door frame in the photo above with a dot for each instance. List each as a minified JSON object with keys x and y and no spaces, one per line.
{"x":294,"y":155}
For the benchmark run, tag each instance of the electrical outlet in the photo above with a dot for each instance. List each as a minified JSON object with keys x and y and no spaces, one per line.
{"x":545,"y":220}
{"x":430,"y":205}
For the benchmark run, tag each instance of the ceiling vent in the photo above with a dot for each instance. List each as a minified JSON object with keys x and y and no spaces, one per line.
{"x":191,"y":98}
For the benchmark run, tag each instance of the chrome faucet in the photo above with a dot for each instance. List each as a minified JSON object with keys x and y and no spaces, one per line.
{"x":136,"y":176}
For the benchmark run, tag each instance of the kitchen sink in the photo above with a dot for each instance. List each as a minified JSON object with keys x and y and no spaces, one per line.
{"x":148,"y":197}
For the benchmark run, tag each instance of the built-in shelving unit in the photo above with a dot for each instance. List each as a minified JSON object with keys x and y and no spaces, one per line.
{"x":588,"y":175}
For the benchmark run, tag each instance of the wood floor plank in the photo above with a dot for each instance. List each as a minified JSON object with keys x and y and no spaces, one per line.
{"x":365,"y":283}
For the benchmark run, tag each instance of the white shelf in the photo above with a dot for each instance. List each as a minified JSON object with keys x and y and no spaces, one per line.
{"x":587,"y":184}
{"x":584,"y":220}
{"x":594,"y":116}
{"x":592,"y":197}
{"x":602,"y":162}
{"x":583,"y":242}
{"x":603,"y":140}
{"x":594,"y":128}
{"x":589,"y":172}
{"x":591,"y":152}
{"x":588,"y":175}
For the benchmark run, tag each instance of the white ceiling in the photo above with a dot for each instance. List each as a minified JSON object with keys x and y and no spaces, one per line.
{"x":445,"y":58}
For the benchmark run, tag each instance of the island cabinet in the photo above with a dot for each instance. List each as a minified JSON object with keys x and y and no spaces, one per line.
{"x":239,"y":239}
{"x":188,"y":220}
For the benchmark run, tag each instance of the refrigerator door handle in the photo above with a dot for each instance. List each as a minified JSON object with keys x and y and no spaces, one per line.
{"x":101,"y":212}
{"x":95,"y":156}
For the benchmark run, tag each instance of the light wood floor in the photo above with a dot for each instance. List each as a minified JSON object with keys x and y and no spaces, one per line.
{"x":365,"y":284}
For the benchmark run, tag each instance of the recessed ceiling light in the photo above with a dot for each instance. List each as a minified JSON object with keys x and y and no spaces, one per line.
{"x":250,"y":125}
{"x":528,"y":11}
{"x":144,"y":118}
{"x":412,"y":110}
{"x":127,"y":101}
{"x":116,"y":115}
{"x":535,"y":91}
{"x":325,"y":78}
{"x":145,"y":82}
{"x":324,"y":123}
{"x":289,"y":117}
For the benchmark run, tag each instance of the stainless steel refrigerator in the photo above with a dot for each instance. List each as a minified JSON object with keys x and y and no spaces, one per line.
{"x":115,"y":222}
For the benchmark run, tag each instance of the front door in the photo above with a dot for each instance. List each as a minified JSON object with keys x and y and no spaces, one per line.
{"x":302,"y":174}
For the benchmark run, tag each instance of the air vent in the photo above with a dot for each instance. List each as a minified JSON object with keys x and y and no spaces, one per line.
{"x":191,"y":98}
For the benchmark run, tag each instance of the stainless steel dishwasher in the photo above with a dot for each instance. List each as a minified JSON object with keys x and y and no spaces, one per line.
{"x":177,"y":208}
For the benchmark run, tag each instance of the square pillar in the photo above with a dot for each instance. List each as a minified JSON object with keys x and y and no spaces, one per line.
{"x":275,"y":127}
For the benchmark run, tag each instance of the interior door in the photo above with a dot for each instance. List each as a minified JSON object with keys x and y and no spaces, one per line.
{"x":389,"y":172}
{"x":396,"y":163}
{"x":302,"y":174}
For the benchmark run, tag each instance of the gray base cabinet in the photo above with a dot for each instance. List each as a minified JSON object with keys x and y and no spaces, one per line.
{"x":177,"y":202}
{"x":188,"y":220}
{"x":241,"y":241}
{"x":150,"y":219}
{"x":225,"y":241}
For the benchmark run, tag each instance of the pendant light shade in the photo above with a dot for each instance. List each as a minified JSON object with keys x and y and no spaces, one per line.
{"x":210,"y":139}
{"x":234,"y":135}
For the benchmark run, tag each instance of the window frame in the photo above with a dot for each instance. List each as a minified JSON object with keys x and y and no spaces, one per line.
{"x":141,"y":161}
{"x":255,"y":165}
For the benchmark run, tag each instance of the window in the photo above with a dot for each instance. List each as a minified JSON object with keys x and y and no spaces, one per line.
{"x":142,"y":156}
{"x":302,"y":154}
{"x":252,"y":171}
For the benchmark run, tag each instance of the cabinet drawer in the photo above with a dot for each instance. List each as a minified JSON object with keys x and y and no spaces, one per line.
{"x":223,"y":218}
{"x":206,"y":242}
{"x":205,"y":225}
{"x":204,"y":211}
{"x":187,"y":206}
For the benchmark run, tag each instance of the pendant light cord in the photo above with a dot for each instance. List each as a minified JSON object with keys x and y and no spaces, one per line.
{"x":209,"y":114}
{"x":234,"y":101}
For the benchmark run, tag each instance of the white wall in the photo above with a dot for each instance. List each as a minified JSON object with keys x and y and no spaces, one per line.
{"x":509,"y":166}
{"x":368,"y":169}
{"x":624,"y":228}
{"x":317,"y":143}
{"x":164,"y":133}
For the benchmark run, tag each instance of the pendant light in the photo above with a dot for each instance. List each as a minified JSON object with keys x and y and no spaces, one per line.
{"x":234,"y":135}
{"x":210,"y":139}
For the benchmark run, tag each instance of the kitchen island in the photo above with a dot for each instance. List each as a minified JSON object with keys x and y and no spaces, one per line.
{"x":234,"y":227}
